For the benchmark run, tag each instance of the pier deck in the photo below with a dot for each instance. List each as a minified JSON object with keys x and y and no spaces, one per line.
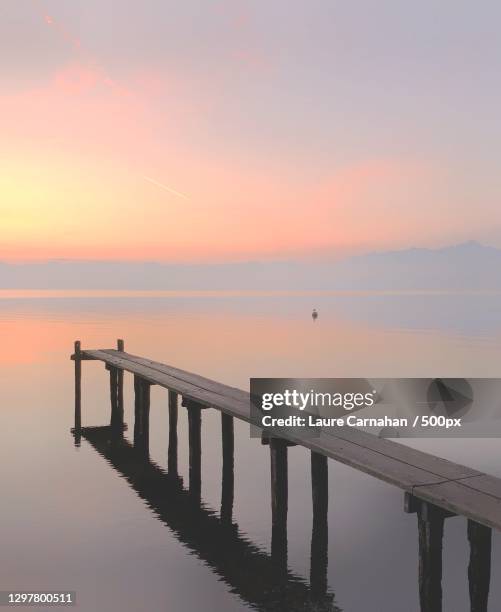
{"x":454,"y":488}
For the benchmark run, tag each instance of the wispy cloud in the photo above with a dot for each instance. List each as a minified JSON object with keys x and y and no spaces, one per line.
{"x":166,"y":187}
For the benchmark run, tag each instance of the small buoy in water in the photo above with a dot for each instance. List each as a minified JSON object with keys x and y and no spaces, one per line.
{"x":314,"y":314}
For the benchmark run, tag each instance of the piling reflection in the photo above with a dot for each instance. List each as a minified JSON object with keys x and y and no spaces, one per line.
{"x":195,"y":447}
{"x":228,"y":474}
{"x":479,"y":568}
{"x":142,"y":416}
{"x":431,"y":530}
{"x":250,"y":572}
{"x":279,"y":503}
{"x":172,"y":449}
{"x":320,"y":531}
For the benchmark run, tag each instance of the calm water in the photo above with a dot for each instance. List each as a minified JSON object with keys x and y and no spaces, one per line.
{"x":71,"y":521}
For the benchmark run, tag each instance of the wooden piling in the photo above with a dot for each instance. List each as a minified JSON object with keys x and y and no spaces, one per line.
{"x":172,"y":452}
{"x":320,"y":531}
{"x":141,"y":415}
{"x":279,"y":494}
{"x":195,"y":447}
{"x":479,"y":568}
{"x":116,"y":420}
{"x":78,"y":388}
{"x":431,"y":530}
{"x":146,"y":417}
{"x":117,"y":395}
{"x":228,"y":474}
{"x":137,"y":410}
{"x":120,"y":386}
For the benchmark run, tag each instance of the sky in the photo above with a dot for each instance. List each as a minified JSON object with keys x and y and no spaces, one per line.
{"x":231,"y":130}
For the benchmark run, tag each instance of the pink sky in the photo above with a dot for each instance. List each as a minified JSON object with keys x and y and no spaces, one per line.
{"x":181,"y":156}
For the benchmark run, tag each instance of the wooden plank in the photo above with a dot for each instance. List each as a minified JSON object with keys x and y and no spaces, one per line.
{"x":189,"y":377}
{"x":436,"y":465}
{"x":199,"y":381}
{"x":384,"y":468}
{"x":459,"y":498}
{"x":83,"y":357}
{"x":187,"y":390}
{"x":490,"y":485}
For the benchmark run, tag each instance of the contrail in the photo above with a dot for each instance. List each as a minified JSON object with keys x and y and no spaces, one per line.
{"x":162,"y":186}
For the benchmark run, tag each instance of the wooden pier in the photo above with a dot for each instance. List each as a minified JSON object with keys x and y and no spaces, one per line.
{"x":434,"y":488}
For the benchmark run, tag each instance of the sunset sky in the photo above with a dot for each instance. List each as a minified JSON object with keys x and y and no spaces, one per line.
{"x":258,"y":129}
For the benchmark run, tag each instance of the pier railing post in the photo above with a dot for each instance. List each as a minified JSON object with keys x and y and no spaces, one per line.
{"x":479,"y":568}
{"x":228,"y":476}
{"x":172,"y":451}
{"x":319,"y":534}
{"x":279,"y":501}
{"x":78,"y":391}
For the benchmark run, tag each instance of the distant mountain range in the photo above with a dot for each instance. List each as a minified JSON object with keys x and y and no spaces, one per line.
{"x":466,"y":266}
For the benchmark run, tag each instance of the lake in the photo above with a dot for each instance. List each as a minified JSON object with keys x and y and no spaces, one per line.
{"x":72,"y":521}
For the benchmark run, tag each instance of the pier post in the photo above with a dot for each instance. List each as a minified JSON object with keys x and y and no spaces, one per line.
{"x":279,"y":494}
{"x":479,"y":568}
{"x":431,"y":530}
{"x":172,"y":452}
{"x":120,"y":386}
{"x":320,"y":533}
{"x":228,"y":476}
{"x":195,"y":446}
{"x":137,"y":410}
{"x":141,"y":415}
{"x":78,"y":391}
{"x":117,"y":395}
{"x":116,"y":420}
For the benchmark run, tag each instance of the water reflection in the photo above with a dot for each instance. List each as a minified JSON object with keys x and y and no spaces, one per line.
{"x":373,"y":545}
{"x":260,"y":579}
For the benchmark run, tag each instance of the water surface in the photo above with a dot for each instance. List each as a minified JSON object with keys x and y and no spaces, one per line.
{"x":72,"y":521}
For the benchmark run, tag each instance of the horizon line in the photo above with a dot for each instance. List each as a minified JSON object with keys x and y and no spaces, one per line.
{"x":305,"y":259}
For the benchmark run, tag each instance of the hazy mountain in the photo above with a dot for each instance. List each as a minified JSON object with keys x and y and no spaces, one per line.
{"x":469,"y":265}
{"x":466,"y":266}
